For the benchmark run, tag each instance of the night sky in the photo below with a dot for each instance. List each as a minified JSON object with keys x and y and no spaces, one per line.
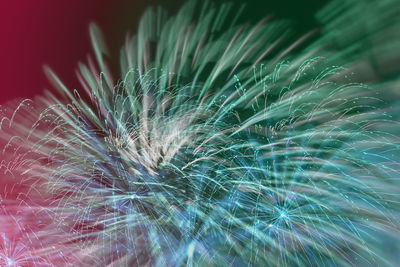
{"x":55,"y":33}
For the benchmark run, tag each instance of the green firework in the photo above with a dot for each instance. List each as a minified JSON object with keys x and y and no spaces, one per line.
{"x":219,"y":146}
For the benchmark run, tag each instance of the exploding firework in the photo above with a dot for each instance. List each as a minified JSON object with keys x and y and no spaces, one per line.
{"x":216,"y":147}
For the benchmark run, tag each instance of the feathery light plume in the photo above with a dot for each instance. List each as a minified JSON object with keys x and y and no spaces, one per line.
{"x":218,"y":145}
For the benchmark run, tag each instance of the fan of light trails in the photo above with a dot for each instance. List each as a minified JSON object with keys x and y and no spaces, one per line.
{"x":218,"y":146}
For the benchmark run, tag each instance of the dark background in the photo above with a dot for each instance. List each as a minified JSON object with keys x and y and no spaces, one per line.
{"x":55,"y":33}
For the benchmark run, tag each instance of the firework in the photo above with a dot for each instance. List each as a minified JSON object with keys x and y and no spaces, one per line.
{"x":217,"y":146}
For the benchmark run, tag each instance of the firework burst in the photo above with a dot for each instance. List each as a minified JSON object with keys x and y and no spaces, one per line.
{"x":216,"y":147}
